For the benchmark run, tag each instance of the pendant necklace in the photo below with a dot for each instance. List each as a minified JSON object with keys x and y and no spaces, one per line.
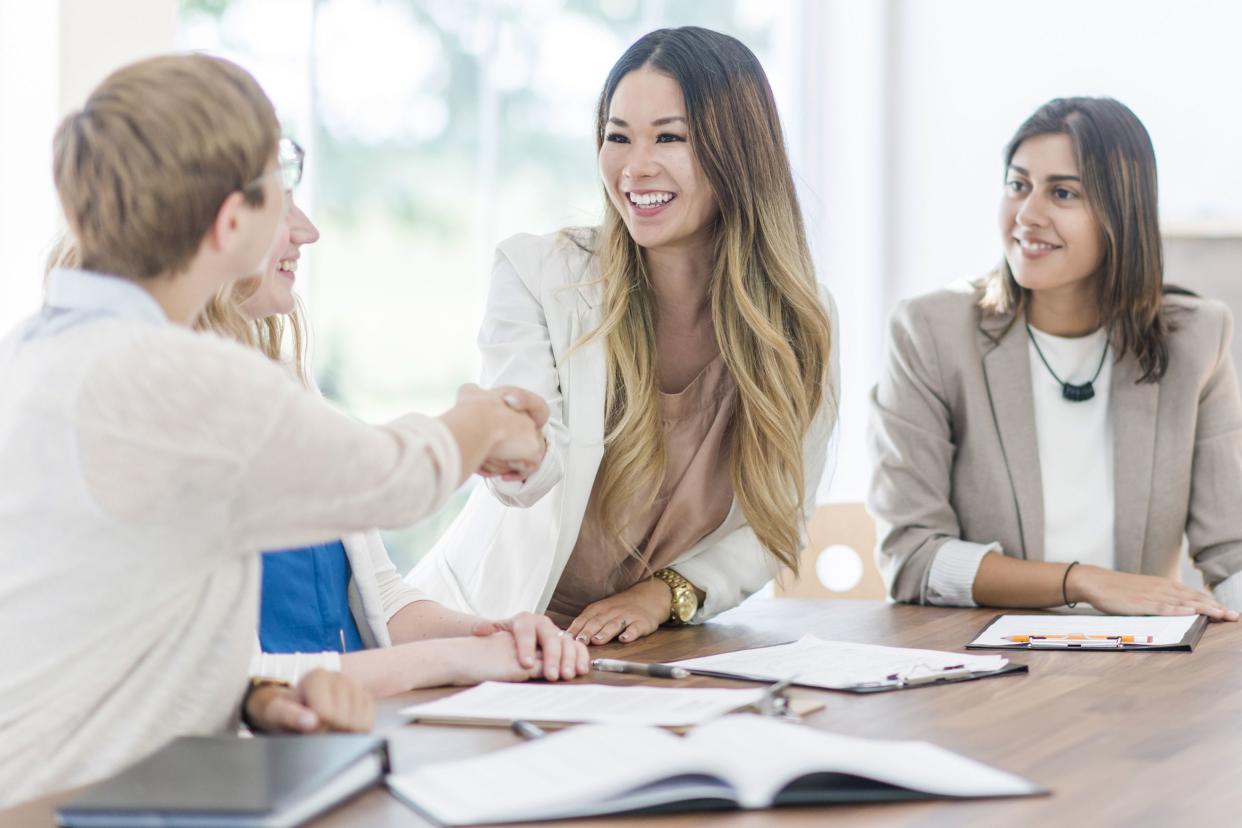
{"x":1071,"y":392}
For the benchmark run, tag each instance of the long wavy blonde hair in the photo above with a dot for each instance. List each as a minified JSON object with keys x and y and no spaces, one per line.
{"x":279,"y":337}
{"x":771,"y":328}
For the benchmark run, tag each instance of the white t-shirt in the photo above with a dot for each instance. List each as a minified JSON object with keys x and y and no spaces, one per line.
{"x":1075,"y":449}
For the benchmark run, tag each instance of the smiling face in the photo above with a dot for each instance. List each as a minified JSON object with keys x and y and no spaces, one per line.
{"x":1051,"y":236}
{"x":275,"y":292}
{"x":648,"y":166}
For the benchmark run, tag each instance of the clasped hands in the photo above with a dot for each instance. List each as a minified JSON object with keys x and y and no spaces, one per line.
{"x":519,"y":416}
{"x":511,"y":649}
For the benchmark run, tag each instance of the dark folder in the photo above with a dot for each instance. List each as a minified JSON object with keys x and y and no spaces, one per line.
{"x":268,"y":781}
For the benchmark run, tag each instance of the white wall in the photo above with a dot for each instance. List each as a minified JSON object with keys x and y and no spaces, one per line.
{"x":51,"y":55}
{"x":28,"y":210}
{"x":969,"y":72}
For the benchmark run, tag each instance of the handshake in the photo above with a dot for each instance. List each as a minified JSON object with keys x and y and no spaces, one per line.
{"x":499,"y":431}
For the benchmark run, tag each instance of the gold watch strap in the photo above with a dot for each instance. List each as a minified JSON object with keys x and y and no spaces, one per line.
{"x":679,"y":585}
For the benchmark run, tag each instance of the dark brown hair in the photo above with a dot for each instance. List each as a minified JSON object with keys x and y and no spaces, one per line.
{"x":1118,"y":169}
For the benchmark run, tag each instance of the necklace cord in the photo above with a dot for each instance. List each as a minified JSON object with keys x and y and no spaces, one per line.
{"x":1044,"y":359}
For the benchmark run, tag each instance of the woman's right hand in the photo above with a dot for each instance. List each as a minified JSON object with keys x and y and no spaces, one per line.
{"x":1124,"y":593}
{"x":521,"y":439}
{"x":322,"y":701}
{"x":498,"y":430}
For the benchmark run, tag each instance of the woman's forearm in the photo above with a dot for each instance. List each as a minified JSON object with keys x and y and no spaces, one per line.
{"x":424,"y":620}
{"x":391,"y":670}
{"x":1008,"y":582}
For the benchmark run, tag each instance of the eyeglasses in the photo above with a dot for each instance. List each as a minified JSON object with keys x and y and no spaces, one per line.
{"x":289,"y":160}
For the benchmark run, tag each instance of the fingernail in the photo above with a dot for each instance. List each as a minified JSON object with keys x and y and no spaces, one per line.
{"x":306,"y":719}
{"x":599,"y":636}
{"x":580,"y":637}
{"x":511,"y":401}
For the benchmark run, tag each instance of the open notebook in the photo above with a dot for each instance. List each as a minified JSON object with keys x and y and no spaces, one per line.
{"x":736,"y":762}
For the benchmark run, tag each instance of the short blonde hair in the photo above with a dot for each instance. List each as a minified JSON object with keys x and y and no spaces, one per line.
{"x":144,"y":166}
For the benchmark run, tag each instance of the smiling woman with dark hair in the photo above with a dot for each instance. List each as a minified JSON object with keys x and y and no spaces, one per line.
{"x":1051,"y":436}
{"x":687,"y":355}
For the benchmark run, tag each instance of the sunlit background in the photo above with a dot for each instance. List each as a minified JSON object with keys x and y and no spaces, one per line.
{"x":435,"y":128}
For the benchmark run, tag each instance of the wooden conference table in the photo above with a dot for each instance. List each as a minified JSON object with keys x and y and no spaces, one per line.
{"x":1118,"y":738}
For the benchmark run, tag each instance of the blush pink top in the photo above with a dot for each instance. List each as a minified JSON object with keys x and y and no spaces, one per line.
{"x":694,"y":499}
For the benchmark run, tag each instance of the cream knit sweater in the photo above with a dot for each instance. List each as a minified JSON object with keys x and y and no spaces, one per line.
{"x":142,"y":468}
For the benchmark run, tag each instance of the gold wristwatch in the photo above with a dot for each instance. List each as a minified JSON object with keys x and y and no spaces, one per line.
{"x":685,"y":599}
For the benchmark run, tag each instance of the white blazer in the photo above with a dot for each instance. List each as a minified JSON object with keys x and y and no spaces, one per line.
{"x":507,"y":549}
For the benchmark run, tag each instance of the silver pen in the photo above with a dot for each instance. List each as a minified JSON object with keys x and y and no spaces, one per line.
{"x":637,"y":668}
{"x":528,"y":731}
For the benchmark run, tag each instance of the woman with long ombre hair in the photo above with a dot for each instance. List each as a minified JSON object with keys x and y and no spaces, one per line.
{"x":1049,"y":436}
{"x":686,"y":352}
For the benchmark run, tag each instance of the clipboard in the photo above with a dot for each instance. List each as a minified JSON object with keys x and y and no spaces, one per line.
{"x":1010,"y":669}
{"x":1186,"y":645}
{"x":892,"y":682}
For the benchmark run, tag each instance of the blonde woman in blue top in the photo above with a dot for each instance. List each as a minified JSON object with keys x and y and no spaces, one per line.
{"x":342,"y":605}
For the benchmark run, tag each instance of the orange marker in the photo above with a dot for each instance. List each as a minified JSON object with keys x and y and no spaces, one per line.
{"x":1124,"y":639}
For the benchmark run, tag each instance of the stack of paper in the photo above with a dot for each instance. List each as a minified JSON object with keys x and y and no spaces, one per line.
{"x":839,"y":665}
{"x":573,"y":703}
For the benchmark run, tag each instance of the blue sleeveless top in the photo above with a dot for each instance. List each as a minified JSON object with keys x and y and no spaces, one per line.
{"x":304,"y":603}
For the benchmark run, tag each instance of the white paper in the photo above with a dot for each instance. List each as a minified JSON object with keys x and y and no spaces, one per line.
{"x":837,"y":665}
{"x":765,"y":755}
{"x":575,"y":703}
{"x":599,"y":769}
{"x":568,"y":773}
{"x":1164,"y":630}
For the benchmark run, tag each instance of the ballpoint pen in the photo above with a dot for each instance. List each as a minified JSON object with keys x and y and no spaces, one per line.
{"x":528,"y":731}
{"x":932,"y":675}
{"x":636,"y":668}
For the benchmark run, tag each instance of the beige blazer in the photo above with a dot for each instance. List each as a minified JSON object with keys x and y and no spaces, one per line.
{"x":954,"y":454}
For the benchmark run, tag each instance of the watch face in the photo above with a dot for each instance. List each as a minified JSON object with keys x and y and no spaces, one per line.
{"x":685,"y":605}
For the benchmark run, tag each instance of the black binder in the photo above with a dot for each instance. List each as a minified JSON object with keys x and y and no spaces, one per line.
{"x":265,"y":782}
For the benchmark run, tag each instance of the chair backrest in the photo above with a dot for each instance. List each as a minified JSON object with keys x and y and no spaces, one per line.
{"x":839,"y":559}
